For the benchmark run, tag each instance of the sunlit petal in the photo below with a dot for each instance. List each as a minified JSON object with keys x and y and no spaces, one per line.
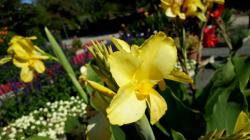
{"x":38,"y":66}
{"x":125,"y":107}
{"x":159,"y":56}
{"x":123,"y":66}
{"x":157,"y":106}
{"x":26,"y":74}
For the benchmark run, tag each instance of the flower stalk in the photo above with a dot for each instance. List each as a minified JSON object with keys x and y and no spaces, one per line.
{"x":144,"y":128}
{"x":66,"y":65}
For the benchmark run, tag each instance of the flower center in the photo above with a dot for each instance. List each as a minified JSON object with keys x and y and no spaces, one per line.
{"x":143,"y":89}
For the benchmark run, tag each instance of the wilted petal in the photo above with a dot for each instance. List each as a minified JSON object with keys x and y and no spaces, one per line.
{"x":159,"y":56}
{"x":157,"y":106}
{"x":26,"y":74}
{"x":122,"y":66}
{"x":38,"y":66}
{"x":125,"y":107}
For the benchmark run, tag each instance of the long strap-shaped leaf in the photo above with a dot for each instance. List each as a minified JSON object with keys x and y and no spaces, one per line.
{"x":66,"y":65}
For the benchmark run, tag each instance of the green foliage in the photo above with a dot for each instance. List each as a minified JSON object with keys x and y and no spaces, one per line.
{"x":117,"y":133}
{"x":181,"y":117}
{"x":242,"y":68}
{"x":177,"y":135}
{"x":224,"y":113}
{"x":73,"y":128}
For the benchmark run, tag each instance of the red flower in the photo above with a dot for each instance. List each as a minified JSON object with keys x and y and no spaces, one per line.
{"x":210,"y":39}
{"x":217,"y":12}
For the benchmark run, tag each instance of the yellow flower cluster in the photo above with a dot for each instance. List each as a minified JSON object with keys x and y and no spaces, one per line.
{"x":186,"y":8}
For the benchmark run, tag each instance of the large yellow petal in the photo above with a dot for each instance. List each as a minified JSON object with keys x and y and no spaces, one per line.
{"x":26,"y":74}
{"x":159,"y":56}
{"x":123,"y":66}
{"x":38,"y":66}
{"x":157,"y":106}
{"x":179,"y":76}
{"x":125,"y":107}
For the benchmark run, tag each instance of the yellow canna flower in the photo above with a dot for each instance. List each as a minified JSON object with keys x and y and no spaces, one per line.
{"x":137,"y":70}
{"x":184,"y":8}
{"x":173,"y":8}
{"x":195,"y":8}
{"x":26,"y":56}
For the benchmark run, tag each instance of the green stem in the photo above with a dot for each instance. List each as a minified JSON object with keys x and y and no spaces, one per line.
{"x":184,"y":49}
{"x":66,"y":65}
{"x":144,"y":129}
{"x":224,"y":33}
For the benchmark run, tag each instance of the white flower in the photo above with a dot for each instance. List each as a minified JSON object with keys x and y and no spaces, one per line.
{"x":12,"y":135}
{"x":32,"y":127}
{"x":35,"y":112}
{"x":42,"y":134}
{"x":45,"y":109}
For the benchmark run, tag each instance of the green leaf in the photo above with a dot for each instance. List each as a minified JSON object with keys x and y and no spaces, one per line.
{"x":117,"y":133}
{"x":144,"y":129}
{"x":98,"y":127}
{"x":177,"y":135}
{"x":74,"y":129}
{"x":38,"y":138}
{"x":91,"y":75}
{"x":66,"y":65}
{"x":242,"y":68}
{"x":71,"y":124}
{"x":181,"y":117}
{"x":224,"y":75}
{"x":223,"y":115}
